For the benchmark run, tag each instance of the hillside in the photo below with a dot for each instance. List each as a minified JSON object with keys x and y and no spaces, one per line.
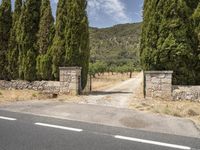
{"x":115,"y":45}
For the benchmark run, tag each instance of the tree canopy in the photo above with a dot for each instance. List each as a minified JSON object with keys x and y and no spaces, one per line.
{"x":5,"y":27}
{"x":13,"y":50}
{"x":28,"y":28}
{"x":44,"y":41}
{"x":168,"y":41}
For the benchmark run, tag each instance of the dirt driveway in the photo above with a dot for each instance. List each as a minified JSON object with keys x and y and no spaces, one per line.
{"x":118,"y":96}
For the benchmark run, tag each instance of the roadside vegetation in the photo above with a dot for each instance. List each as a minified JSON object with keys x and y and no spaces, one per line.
{"x":21,"y":95}
{"x":183,"y":109}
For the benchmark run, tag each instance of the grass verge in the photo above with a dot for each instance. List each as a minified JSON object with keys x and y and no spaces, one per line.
{"x":21,"y":95}
{"x":183,"y":109}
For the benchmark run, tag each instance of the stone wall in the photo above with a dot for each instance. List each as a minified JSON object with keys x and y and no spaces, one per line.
{"x":50,"y":87}
{"x":69,"y":83}
{"x":158,"y":84}
{"x":186,"y":93}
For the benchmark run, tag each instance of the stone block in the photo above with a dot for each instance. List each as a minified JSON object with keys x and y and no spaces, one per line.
{"x":148,"y":93}
{"x":166,"y":87}
{"x":166,"y":81}
{"x":161,"y":76}
{"x":148,"y":77}
{"x":155,"y":80}
{"x":149,"y":85}
{"x":156,"y":87}
{"x":157,"y":94}
{"x":73,"y":86}
{"x":168,"y":76}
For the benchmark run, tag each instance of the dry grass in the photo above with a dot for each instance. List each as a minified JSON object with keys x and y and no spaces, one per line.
{"x":21,"y":95}
{"x":101,"y":82}
{"x":107,"y":80}
{"x":184,"y":109}
{"x":70,"y":98}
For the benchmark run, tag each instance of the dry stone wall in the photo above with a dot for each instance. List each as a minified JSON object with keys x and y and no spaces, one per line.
{"x":50,"y":87}
{"x":186,"y":93}
{"x":158,"y":85}
{"x":68,"y":83}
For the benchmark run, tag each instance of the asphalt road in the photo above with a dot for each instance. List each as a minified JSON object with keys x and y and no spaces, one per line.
{"x":29,"y":132}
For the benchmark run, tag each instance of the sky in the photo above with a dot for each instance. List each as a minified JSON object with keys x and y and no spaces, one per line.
{"x":106,"y":13}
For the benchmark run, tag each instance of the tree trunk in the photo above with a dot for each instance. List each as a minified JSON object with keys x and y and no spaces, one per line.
{"x":131,"y":74}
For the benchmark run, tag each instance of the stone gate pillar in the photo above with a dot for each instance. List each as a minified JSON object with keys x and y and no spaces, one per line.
{"x":72,"y":75}
{"x":158,"y":84}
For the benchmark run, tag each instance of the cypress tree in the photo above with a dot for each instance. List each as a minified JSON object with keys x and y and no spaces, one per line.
{"x":13,"y":44}
{"x":5,"y":27}
{"x":27,"y":35}
{"x":45,"y":37}
{"x":196,"y":18}
{"x":58,"y":47}
{"x":149,"y":35}
{"x":168,"y":41}
{"x":77,"y":37}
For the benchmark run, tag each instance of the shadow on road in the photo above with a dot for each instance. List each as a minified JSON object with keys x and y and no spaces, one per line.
{"x":108,"y":92}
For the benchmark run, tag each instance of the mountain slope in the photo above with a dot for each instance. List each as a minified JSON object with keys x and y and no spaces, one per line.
{"x":115,"y":45}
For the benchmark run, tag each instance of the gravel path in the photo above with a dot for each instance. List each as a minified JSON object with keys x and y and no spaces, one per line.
{"x":117,"y":96}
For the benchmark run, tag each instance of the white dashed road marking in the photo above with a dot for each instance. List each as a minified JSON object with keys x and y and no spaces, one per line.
{"x":116,"y":136}
{"x":58,"y":127}
{"x":153,"y":142}
{"x":7,"y":118}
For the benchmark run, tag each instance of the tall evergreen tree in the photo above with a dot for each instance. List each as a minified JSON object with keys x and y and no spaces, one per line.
{"x":45,"y":37}
{"x":77,"y":37}
{"x":13,"y":44}
{"x":196,"y":18}
{"x":58,"y":47}
{"x":168,"y":41}
{"x":27,"y":35}
{"x":149,"y":38}
{"x":5,"y":27}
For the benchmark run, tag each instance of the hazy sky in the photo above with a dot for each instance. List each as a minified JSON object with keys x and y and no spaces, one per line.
{"x":105,"y":13}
